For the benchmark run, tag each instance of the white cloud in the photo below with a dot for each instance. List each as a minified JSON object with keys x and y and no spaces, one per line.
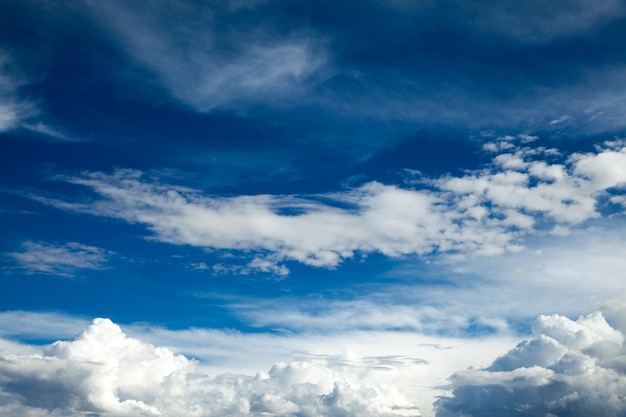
{"x":569,"y":369}
{"x":55,"y":259}
{"x":487,"y":211}
{"x":105,"y":372}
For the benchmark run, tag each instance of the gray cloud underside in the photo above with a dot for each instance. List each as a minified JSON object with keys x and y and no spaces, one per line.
{"x":103,"y":372}
{"x":524,"y":191}
{"x":571,"y":369}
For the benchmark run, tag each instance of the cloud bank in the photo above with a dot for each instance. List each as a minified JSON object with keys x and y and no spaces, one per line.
{"x":524,"y":191}
{"x":571,"y":368}
{"x":103,"y":372}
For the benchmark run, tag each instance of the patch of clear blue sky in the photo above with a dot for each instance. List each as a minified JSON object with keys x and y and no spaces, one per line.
{"x":403,"y":90}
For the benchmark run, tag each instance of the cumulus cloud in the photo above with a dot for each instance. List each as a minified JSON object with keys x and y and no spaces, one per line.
{"x":104,"y":372}
{"x":524,"y":191}
{"x":571,"y":368}
{"x":55,"y":259}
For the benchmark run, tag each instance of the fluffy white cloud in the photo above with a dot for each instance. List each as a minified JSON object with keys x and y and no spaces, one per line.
{"x":524,"y":191}
{"x":63,"y":260}
{"x":104,"y":372}
{"x":571,"y":368}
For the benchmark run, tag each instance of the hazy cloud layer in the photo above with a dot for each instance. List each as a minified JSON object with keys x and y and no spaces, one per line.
{"x":489,"y":211}
{"x":58,"y":259}
{"x":571,"y":368}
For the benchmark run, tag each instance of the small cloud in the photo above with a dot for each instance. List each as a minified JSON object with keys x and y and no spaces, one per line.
{"x":49,"y":132}
{"x":62,"y":260}
{"x":560,"y":120}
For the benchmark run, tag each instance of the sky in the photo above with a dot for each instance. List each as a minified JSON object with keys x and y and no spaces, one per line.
{"x":311,"y":208}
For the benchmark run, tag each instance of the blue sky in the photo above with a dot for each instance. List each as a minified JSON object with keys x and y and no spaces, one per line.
{"x":346,"y":204}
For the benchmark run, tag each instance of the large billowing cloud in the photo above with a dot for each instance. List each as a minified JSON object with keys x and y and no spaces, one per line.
{"x":571,"y":368}
{"x":103,"y":372}
{"x":523,"y":192}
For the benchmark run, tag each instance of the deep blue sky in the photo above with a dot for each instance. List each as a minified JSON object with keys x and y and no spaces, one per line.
{"x":447,"y":168}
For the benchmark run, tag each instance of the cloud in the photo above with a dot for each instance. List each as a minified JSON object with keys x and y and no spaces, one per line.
{"x":25,"y":325}
{"x":13,"y":108}
{"x":571,"y":368}
{"x":536,"y":21}
{"x":472,"y":297}
{"x":63,"y":260}
{"x":523,"y":192}
{"x":20,"y":112}
{"x":206,"y":68}
{"x":104,"y":372}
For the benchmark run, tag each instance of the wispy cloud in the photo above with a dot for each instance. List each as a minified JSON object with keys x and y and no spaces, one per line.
{"x":59,"y":259}
{"x":205,"y":68}
{"x":474,"y":297}
{"x":20,"y":112}
{"x":13,"y":108}
{"x":524,"y":191}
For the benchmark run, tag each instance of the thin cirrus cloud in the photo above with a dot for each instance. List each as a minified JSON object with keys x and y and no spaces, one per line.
{"x":20,"y":112}
{"x":524,"y":191}
{"x":13,"y":108}
{"x":204,"y":69}
{"x":59,"y":259}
